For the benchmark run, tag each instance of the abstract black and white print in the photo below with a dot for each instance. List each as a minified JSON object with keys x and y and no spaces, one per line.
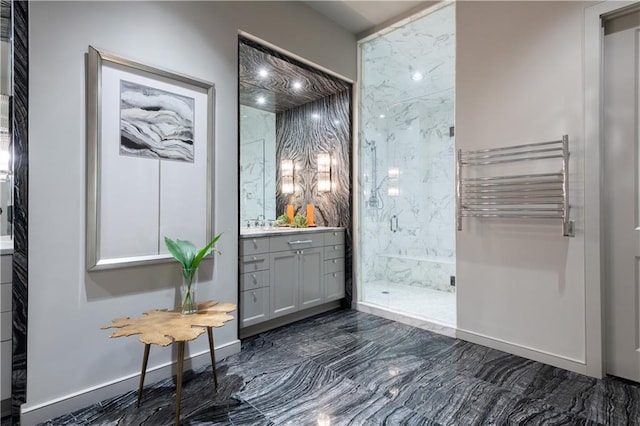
{"x":155,"y":123}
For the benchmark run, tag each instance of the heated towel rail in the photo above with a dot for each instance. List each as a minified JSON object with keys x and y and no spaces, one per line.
{"x":515,"y":196}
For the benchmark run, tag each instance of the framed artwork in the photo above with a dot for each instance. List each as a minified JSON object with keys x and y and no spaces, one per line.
{"x":149,"y":161}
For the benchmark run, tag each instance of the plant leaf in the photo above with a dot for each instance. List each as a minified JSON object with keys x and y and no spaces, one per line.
{"x":176,"y":251}
{"x":205,"y":251}
{"x":189,"y":252}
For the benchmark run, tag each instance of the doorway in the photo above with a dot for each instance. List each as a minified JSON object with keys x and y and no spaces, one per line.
{"x":621,"y":200}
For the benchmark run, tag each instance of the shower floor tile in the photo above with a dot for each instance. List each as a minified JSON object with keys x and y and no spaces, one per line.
{"x":426,"y":303}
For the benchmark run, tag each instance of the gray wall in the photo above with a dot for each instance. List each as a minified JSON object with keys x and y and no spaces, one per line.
{"x":67,"y":306}
{"x":521,"y":285}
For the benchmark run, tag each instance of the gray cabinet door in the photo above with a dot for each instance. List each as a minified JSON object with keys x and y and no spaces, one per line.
{"x":254,"y":306}
{"x":334,"y":285}
{"x":311,"y":264}
{"x":284,"y":282}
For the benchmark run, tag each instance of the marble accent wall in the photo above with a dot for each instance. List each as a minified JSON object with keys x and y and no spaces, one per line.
{"x":407,"y":154}
{"x":301,"y":133}
{"x":21,"y":206}
{"x":276,"y":87}
{"x":257,"y":164}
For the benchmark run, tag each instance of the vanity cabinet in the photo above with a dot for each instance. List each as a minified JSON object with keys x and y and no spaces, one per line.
{"x":296,"y":277}
{"x":254,"y":281}
{"x":285,"y":274}
{"x":334,"y":266}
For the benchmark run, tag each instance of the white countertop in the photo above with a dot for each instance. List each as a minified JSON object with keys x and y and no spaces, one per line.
{"x":264,"y":232}
{"x":6,"y":245}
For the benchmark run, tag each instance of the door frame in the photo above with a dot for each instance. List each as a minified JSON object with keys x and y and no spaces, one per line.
{"x":593,"y":206}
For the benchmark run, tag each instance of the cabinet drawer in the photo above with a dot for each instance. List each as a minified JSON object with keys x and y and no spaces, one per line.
{"x":258,"y":262}
{"x":5,"y":329}
{"x":296,"y":241}
{"x":334,"y":251}
{"x":334,"y":285}
{"x":5,"y":268}
{"x":333,"y":238}
{"x":255,"y":306}
{"x":5,"y":297}
{"x":333,"y":265}
{"x":5,"y":366}
{"x":254,"y":246}
{"x":253,"y":280}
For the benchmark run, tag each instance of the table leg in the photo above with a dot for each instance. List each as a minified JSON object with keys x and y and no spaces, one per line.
{"x":213,"y":357}
{"x":145,"y":358}
{"x":179,"y":380}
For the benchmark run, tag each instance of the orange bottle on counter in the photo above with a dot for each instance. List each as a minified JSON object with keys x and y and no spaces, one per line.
{"x":310,"y":215}
{"x":290,"y":212}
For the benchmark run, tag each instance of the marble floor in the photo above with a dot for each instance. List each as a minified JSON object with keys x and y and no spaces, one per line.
{"x":352,"y":368}
{"x":421,"y":302}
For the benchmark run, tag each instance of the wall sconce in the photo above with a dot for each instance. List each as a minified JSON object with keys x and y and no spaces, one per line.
{"x":394,"y":175}
{"x":286,"y":174}
{"x":324,"y":172}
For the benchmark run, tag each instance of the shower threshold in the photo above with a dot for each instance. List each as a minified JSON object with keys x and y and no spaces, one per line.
{"x":417,"y":306}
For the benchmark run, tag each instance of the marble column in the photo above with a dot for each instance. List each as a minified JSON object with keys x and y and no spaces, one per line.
{"x":21,"y":205}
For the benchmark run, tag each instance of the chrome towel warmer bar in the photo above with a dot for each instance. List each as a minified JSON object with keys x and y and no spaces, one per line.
{"x":524,"y":196}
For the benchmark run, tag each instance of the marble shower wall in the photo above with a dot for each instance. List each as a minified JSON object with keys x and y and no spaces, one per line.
{"x":257,"y":164}
{"x":407,"y":154}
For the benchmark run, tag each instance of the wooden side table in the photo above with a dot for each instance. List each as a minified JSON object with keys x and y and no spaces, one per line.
{"x":163,"y":327}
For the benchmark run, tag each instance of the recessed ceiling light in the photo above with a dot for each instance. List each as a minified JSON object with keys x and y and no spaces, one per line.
{"x":297,"y":85}
{"x":381,"y":115}
{"x":336,"y":122}
{"x":261,"y":100}
{"x":416,"y":76}
{"x":315,"y":116}
{"x":263,"y":72}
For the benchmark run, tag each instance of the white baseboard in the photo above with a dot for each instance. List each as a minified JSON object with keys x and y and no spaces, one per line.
{"x":31,"y":415}
{"x":555,"y":360}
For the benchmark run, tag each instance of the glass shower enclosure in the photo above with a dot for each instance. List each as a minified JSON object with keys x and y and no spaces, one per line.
{"x":406,"y":197}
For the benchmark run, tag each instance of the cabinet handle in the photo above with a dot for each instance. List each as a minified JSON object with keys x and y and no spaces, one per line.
{"x":334,"y":275}
{"x":301,"y":242}
{"x":335,"y":260}
{"x":255,"y":280}
{"x":255,"y":298}
{"x":255,"y":258}
{"x":335,"y":247}
{"x":255,"y":243}
{"x":335,"y":233}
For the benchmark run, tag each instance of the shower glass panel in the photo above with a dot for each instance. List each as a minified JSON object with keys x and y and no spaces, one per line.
{"x":407,"y":169}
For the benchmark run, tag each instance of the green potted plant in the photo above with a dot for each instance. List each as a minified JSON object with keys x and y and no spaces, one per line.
{"x":189,"y":257}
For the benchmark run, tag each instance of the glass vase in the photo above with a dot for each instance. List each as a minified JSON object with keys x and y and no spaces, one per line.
{"x":188,"y":291}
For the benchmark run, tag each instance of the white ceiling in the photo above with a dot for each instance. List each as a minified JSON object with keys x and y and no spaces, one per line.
{"x":360,"y":16}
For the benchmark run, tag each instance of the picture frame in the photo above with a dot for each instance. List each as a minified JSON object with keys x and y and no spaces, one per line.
{"x":150,"y":156}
